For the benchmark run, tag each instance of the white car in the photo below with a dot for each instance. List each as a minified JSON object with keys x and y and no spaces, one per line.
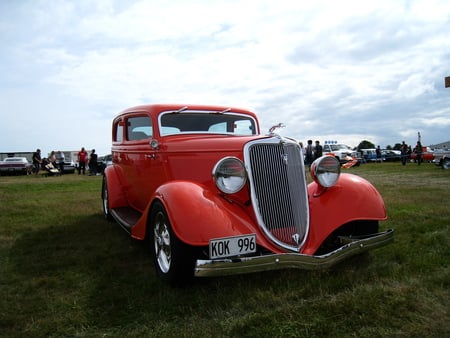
{"x":340,"y":151}
{"x":15,"y":165}
{"x":442,"y":158}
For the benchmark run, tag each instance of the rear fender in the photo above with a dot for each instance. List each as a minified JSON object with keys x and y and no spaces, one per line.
{"x":197,"y":214}
{"x":352,"y":198}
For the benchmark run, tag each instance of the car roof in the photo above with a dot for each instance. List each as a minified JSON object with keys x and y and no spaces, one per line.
{"x":155,"y":109}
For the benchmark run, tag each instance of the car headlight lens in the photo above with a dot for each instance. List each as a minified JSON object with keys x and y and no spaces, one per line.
{"x":325,"y":171}
{"x":229,"y":175}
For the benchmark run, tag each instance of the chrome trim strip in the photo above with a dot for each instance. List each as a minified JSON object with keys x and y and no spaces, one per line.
{"x":186,"y":110}
{"x":224,"y":267}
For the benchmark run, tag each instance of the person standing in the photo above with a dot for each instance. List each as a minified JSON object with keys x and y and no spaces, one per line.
{"x":82,"y":158}
{"x":37,"y":161}
{"x":418,"y":151}
{"x":309,"y":153}
{"x":404,"y":152}
{"x":93,"y":163}
{"x":318,"y":150}
{"x":378,"y":152}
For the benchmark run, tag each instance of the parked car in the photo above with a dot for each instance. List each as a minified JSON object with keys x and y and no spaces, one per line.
{"x":340,"y":151}
{"x":69,"y":167}
{"x":216,"y":197}
{"x":391,"y":155}
{"x":15,"y":165}
{"x":103,"y":162}
{"x":442,"y":158}
{"x":369,"y":155}
{"x":427,"y":155}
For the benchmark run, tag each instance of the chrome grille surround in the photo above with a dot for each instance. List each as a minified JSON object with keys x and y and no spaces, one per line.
{"x":278,"y":190}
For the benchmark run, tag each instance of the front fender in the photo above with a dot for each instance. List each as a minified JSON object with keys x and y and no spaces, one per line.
{"x":352,"y":198}
{"x":114,"y":179}
{"x":198,"y":214}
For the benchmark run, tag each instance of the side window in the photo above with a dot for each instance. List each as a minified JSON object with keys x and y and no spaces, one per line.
{"x":244,"y":127}
{"x":118,"y":132}
{"x":139,"y":128}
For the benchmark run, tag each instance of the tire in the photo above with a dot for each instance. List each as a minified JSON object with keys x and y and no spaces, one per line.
{"x":446,"y":163}
{"x":105,"y":201}
{"x":174,"y":261}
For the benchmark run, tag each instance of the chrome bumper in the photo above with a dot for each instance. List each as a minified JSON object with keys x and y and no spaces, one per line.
{"x":233,"y":266}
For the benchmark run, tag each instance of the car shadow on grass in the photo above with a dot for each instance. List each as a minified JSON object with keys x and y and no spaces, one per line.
{"x":90,"y":273}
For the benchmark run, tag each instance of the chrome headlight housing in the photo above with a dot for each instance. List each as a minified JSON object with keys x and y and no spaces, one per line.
{"x":229,"y":175}
{"x":325,"y":171}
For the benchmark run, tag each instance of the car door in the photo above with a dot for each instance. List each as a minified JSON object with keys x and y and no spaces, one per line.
{"x":142,"y":166}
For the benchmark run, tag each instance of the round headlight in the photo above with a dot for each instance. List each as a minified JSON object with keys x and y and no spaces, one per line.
{"x":325,"y":171}
{"x":229,"y":175}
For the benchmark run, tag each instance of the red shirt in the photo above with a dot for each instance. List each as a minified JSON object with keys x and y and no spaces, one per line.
{"x":82,"y":155}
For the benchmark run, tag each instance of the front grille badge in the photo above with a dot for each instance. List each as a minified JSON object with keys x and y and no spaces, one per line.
{"x":296,"y":238}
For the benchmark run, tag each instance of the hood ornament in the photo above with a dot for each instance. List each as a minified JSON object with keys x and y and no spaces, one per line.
{"x":277,"y":126}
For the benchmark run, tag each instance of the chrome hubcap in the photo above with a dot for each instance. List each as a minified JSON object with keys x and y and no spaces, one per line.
{"x":163,"y":251}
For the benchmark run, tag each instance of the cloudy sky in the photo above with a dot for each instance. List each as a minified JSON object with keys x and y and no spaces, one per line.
{"x":329,"y":70}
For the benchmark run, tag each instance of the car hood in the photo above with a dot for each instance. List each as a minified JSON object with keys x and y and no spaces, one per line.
{"x":209,"y":143}
{"x":193,"y":158}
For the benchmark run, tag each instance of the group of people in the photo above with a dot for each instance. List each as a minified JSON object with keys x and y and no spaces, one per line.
{"x":87,"y":160}
{"x":47,"y":163}
{"x":310,"y":152}
{"x":54,"y":164}
{"x":406,"y":152}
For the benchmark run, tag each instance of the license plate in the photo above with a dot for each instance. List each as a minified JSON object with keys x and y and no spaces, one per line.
{"x":232,"y":246}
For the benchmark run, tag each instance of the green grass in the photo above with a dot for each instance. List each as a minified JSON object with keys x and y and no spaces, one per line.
{"x":66,"y":272}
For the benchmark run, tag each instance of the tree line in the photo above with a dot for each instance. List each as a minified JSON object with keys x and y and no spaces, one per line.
{"x":369,"y":145}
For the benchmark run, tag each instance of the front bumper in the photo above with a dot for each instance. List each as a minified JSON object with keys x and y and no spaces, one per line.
{"x":233,"y":266}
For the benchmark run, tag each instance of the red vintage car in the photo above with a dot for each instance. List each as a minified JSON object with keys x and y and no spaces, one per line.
{"x":427,"y":155}
{"x":214,"y":196}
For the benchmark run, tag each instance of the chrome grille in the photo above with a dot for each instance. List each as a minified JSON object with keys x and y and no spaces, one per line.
{"x":278,"y":186}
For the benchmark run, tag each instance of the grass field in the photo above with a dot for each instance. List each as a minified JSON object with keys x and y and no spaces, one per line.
{"x":66,"y":272}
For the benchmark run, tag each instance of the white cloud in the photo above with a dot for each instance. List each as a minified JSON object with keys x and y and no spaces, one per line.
{"x":348,"y":69}
{"x":414,"y":86}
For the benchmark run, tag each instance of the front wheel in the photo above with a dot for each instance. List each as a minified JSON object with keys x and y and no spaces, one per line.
{"x":174,"y":260}
{"x":446,"y":163}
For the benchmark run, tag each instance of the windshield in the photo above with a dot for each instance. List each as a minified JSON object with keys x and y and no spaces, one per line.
{"x":206,"y":122}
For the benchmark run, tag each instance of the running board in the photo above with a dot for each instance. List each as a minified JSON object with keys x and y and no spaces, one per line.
{"x":127,"y":217}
